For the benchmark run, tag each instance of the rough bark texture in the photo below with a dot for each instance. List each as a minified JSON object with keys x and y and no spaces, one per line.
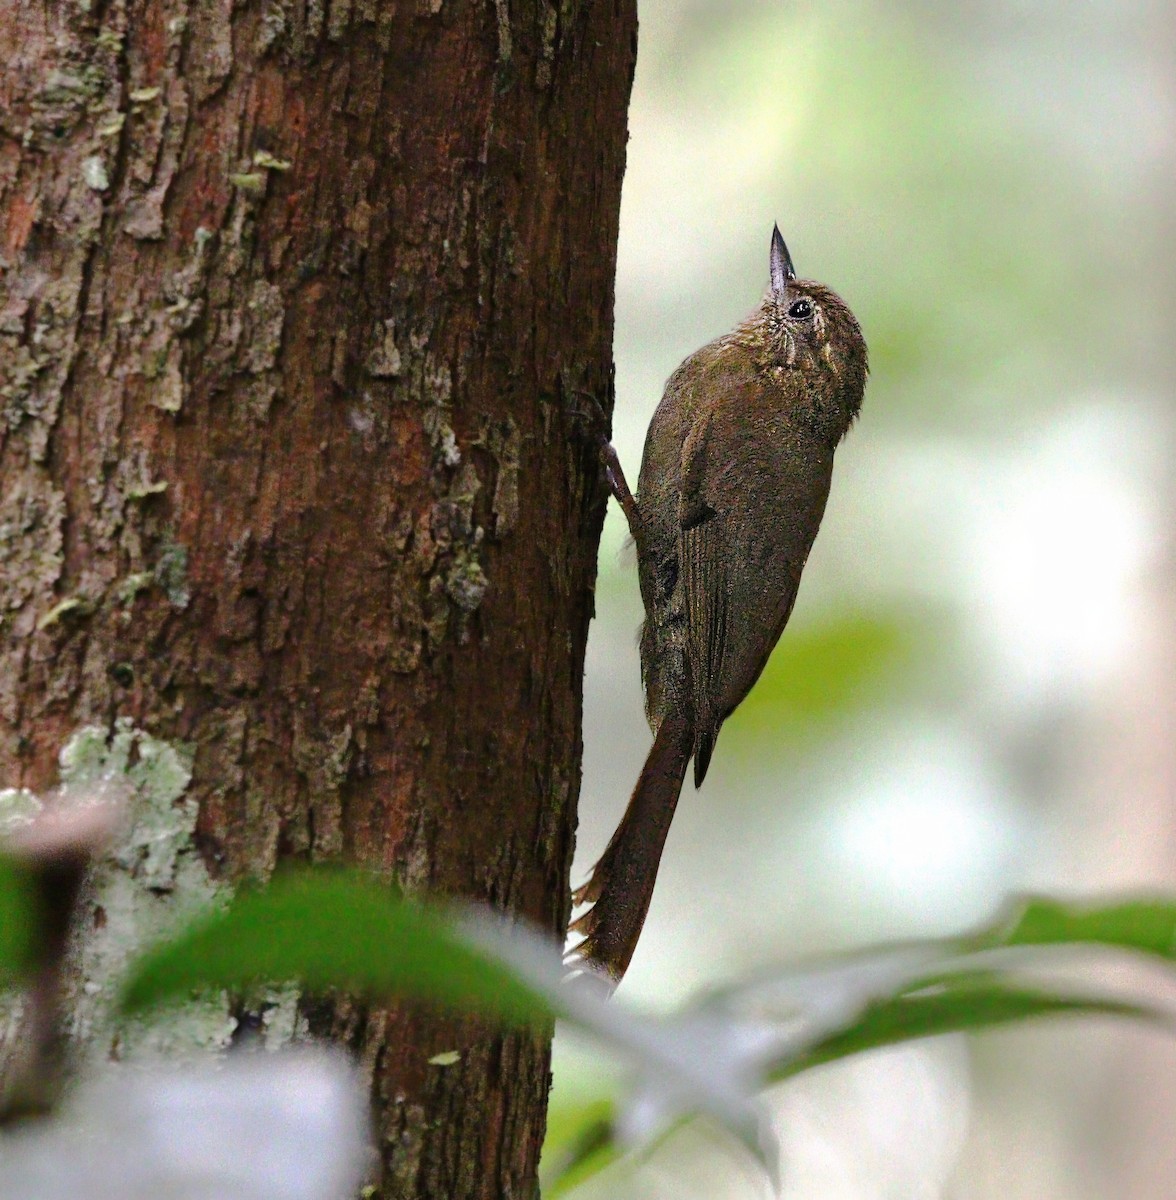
{"x":297,"y":304}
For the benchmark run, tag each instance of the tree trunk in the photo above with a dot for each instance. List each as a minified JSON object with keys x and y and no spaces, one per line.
{"x":298,"y":528}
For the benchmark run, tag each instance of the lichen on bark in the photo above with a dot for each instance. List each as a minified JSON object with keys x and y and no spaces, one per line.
{"x":144,"y":886}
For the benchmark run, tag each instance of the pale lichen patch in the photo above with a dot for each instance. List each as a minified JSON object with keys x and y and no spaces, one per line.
{"x":140,"y":491}
{"x":168,"y":393}
{"x":212,"y":30}
{"x":186,"y":288}
{"x":274,"y":28}
{"x":18,"y":807}
{"x":547,"y":48}
{"x":112,"y":126}
{"x":150,"y":879}
{"x":248,"y":181}
{"x":325,"y":760}
{"x":465,"y":581}
{"x":34,"y":364}
{"x":32,"y":516}
{"x":131,"y":585}
{"x":384,"y":359}
{"x":134,"y":477}
{"x":447,"y":445}
{"x":501,"y":439}
{"x":94,"y":173}
{"x":171,"y":572}
{"x":281,"y":1020}
{"x":264,"y":159}
{"x":70,"y":606}
{"x":267,"y":316}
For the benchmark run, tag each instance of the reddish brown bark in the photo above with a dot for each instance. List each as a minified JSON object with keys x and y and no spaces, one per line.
{"x":296,"y":304}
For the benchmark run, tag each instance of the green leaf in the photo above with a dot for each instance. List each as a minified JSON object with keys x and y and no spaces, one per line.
{"x":820,"y":670}
{"x":941,"y":1000}
{"x":580,"y":1144}
{"x":333,"y":929}
{"x":16,"y":924}
{"x":1147,"y":926}
{"x":961,"y":1004}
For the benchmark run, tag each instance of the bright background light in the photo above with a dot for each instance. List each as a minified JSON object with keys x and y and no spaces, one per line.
{"x":987,"y":185}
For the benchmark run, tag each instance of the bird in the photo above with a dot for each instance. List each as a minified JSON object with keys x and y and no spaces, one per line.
{"x":734,"y":480}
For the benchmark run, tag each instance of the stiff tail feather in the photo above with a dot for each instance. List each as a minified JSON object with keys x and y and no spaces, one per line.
{"x":621,"y":884}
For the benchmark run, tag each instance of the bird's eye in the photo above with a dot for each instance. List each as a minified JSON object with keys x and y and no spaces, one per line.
{"x":800,"y":310}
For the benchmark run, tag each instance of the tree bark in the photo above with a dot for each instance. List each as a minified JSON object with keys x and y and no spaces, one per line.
{"x":298,"y":304}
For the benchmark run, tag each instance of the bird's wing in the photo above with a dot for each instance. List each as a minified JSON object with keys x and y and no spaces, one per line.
{"x":702,"y":554}
{"x":740,"y":577}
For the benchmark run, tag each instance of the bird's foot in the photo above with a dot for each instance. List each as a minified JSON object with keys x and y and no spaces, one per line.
{"x":588,"y":410}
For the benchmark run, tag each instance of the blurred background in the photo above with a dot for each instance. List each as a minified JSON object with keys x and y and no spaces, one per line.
{"x":976,"y":695}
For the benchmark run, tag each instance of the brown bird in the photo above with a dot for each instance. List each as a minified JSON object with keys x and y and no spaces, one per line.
{"x":737,"y":466}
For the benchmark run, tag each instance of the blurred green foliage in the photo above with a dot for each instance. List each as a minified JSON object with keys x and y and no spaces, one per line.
{"x":1146,"y":925}
{"x":959,"y":1004}
{"x":16,"y":924}
{"x":824,"y":670}
{"x":582,"y":1137}
{"x":333,"y":929}
{"x":327,"y":929}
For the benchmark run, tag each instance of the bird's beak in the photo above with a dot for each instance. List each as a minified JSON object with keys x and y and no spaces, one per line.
{"x":783,"y":271}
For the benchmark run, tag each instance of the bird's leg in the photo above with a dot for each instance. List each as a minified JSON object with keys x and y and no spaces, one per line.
{"x":613,"y":471}
{"x":618,"y":485}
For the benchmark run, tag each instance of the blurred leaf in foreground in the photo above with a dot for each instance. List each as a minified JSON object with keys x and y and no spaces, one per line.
{"x":333,"y":929}
{"x":328,"y":929}
{"x":286,"y":1126}
{"x":1146,"y":925}
{"x":580,"y":1143}
{"x":18,"y":807}
{"x":835,"y":1008}
{"x":967,"y":1003}
{"x":959,"y":1005}
{"x":16,"y":918}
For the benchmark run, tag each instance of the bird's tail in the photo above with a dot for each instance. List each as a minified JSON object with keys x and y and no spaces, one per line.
{"x":621,"y":884}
